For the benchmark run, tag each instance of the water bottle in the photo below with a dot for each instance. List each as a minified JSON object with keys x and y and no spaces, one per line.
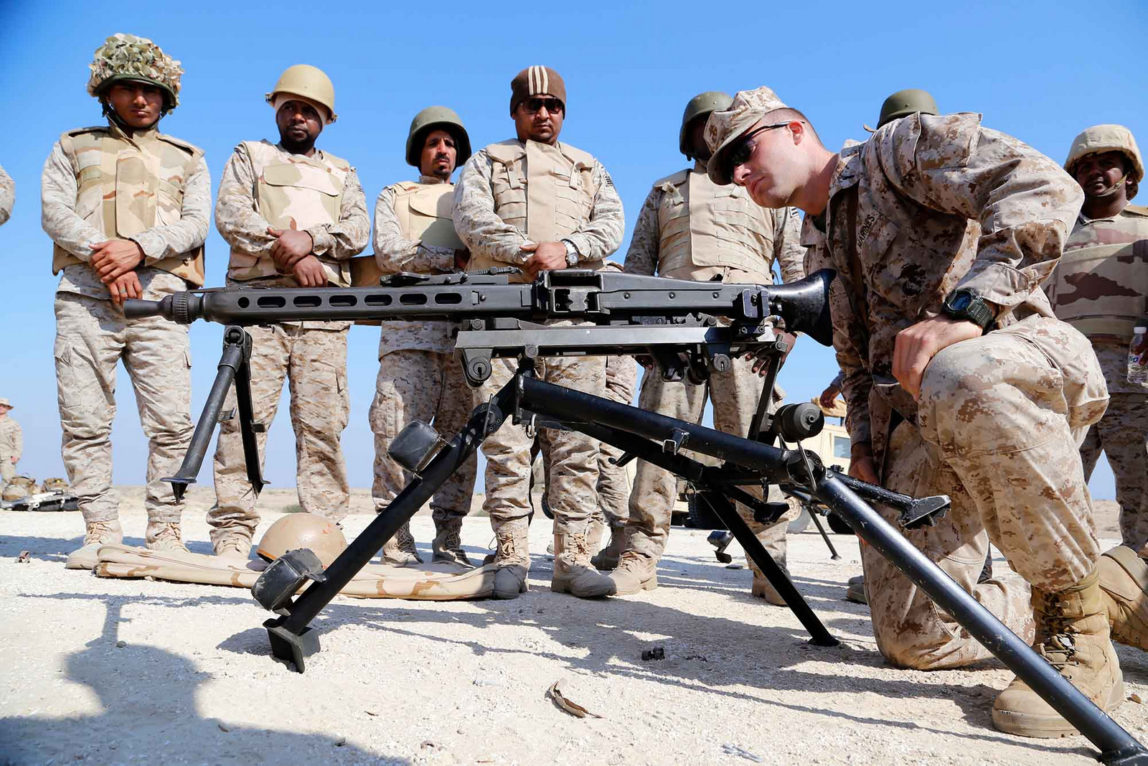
{"x":1137,"y":370}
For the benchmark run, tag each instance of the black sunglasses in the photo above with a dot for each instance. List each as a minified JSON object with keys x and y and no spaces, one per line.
{"x":534,"y":105}
{"x":740,"y":152}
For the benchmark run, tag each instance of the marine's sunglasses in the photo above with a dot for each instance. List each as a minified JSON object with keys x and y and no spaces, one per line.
{"x":534,"y":105}
{"x":740,"y":152}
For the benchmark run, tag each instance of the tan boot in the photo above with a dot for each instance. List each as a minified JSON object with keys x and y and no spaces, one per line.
{"x":572,"y":571}
{"x":1072,"y":634}
{"x":607,"y":559}
{"x":512,"y":558}
{"x":447,"y":543}
{"x":595,"y":531}
{"x":164,"y":536}
{"x":635,"y":573}
{"x":763,"y":588}
{"x":855,"y":591}
{"x":400,"y":550}
{"x":1124,"y":591}
{"x":234,"y":547}
{"x":96,"y":533}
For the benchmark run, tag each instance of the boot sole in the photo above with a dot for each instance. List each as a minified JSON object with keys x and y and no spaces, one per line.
{"x":600,"y":592}
{"x":1049,"y":726}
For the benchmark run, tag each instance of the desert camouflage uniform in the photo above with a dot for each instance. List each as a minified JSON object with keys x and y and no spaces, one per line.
{"x":11,"y":448}
{"x":927,"y":205}
{"x":263,"y":186}
{"x":613,"y":480}
{"x":1101,"y":287}
{"x":496,"y":212}
{"x":7,"y":195}
{"x":99,"y":184}
{"x":690,"y":228}
{"x":419,"y":377}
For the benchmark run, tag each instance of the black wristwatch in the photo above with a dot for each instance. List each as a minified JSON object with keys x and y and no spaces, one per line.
{"x":970,"y":307}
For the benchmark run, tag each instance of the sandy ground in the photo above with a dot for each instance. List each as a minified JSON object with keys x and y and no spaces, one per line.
{"x":114,"y":671}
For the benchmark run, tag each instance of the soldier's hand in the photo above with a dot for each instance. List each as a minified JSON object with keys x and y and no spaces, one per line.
{"x":308,"y":272}
{"x":461,"y":258}
{"x":828,"y":396}
{"x":762,"y":356}
{"x":126,"y":286}
{"x":547,"y":256}
{"x":917,"y":345}
{"x":289,"y":247}
{"x":861,"y":465}
{"x":115,"y":257}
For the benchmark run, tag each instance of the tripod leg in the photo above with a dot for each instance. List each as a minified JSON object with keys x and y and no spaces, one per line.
{"x":817,"y":523}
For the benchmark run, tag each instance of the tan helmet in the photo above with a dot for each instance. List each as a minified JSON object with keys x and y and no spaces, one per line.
{"x":1107,"y":138}
{"x":303,"y":530}
{"x":903,"y":103}
{"x":309,"y":82}
{"x":19,"y":488}
{"x":701,"y":104}
{"x":127,"y":58}
{"x":437,"y":117}
{"x":55,"y":484}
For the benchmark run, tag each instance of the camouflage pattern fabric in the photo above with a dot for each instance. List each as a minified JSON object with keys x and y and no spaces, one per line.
{"x":7,"y":196}
{"x":426,"y":386}
{"x":314,"y":361}
{"x":124,"y":56}
{"x":613,"y":480}
{"x":11,"y":446}
{"x":91,"y":337}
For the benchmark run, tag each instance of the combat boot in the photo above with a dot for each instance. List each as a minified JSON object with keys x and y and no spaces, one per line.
{"x":855,"y":591}
{"x":447,"y":543}
{"x":234,"y":547}
{"x":164,"y":536}
{"x":572,"y":571}
{"x":400,"y":550}
{"x":1072,"y":634}
{"x":512,"y":558}
{"x":635,"y":573}
{"x":1124,"y":591}
{"x":607,"y":559}
{"x":762,"y":587}
{"x":96,"y":533}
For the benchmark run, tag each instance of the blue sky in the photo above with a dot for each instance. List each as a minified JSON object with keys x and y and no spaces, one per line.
{"x":1041,"y":71}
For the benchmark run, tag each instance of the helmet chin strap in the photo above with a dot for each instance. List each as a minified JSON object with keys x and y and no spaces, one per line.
{"x":1116,"y":187}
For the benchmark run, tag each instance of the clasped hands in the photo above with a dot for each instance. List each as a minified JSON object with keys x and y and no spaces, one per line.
{"x":292,"y":254}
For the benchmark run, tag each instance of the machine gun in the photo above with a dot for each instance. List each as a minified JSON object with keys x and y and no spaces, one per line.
{"x":688,"y":329}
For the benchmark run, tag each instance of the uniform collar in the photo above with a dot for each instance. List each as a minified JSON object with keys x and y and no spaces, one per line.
{"x":137,"y":136}
{"x":429,"y":180}
{"x":848,"y":170}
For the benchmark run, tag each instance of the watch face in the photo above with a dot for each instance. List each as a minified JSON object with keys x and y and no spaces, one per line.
{"x":961,"y":301}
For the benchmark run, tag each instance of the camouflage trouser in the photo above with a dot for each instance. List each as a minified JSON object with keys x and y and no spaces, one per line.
{"x":996,"y":417}
{"x":573,"y":478}
{"x":91,"y":337}
{"x":427,"y":386}
{"x":734,"y":396}
{"x":613,"y":480}
{"x":315,"y":363}
{"x":1123,"y":436}
{"x":7,"y":469}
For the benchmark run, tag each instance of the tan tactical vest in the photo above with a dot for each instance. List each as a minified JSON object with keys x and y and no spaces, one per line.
{"x":293,"y":191}
{"x":424,"y":213}
{"x":545,"y":191}
{"x":702,"y":226}
{"x":127,"y":186}
{"x":1100,"y":286}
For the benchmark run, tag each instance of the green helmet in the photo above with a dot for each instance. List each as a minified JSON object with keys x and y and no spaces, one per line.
{"x":429,"y":119}
{"x":701,"y":104}
{"x":906,"y":102}
{"x":127,"y":58}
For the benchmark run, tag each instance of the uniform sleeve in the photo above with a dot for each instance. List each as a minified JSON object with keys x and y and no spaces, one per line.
{"x":788,"y":252}
{"x":238,"y":221}
{"x":599,"y":237}
{"x":58,"y":207}
{"x":477,"y":225}
{"x":395,"y":253}
{"x":7,"y":195}
{"x":642,"y":257}
{"x":190,"y":231}
{"x":348,"y":237}
{"x":1025,"y":203}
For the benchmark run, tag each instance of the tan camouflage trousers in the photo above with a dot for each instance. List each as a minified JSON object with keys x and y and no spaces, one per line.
{"x":613,"y":480}
{"x":427,"y":386}
{"x":734,"y":396}
{"x":996,"y":417}
{"x":573,"y":478}
{"x":1123,"y":436}
{"x":7,"y":469}
{"x":91,"y":337}
{"x":315,"y":363}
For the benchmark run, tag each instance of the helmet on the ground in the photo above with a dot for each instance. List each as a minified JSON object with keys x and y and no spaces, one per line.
{"x":701,"y":104}
{"x":303,"y":530}
{"x":429,"y":119}
{"x":19,"y":488}
{"x":127,"y":58}
{"x":308,"y":82}
{"x":55,"y":484}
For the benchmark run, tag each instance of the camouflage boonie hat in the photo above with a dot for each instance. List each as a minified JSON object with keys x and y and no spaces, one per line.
{"x":125,"y":57}
{"x":1106,"y":138}
{"x":726,"y":126}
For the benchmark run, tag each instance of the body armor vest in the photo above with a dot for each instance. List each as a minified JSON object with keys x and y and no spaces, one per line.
{"x":293,"y":191}
{"x":424,"y":213}
{"x":127,"y":186}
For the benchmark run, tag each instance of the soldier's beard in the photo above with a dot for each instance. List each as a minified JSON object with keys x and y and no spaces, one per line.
{"x":296,"y":147}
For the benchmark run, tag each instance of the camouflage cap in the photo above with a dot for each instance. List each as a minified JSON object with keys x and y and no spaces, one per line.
{"x":726,"y":126}
{"x":1106,"y":138}
{"x":537,"y":81}
{"x":125,"y":57}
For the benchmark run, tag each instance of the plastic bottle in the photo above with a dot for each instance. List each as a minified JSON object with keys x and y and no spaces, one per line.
{"x":1137,"y":371}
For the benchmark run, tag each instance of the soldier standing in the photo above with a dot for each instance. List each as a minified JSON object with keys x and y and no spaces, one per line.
{"x":613,"y":480}
{"x":691,"y":228}
{"x":294,"y":215}
{"x":958,"y":378}
{"x":539,"y":204}
{"x":11,"y":443}
{"x":127,"y":208}
{"x":419,"y":378}
{"x":7,"y":196}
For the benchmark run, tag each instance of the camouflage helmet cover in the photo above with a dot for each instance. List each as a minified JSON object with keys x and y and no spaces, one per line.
{"x":437,"y":117}
{"x":19,"y":488}
{"x":1106,"y":138}
{"x":125,"y":57}
{"x":701,"y":104}
{"x":303,"y":530}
